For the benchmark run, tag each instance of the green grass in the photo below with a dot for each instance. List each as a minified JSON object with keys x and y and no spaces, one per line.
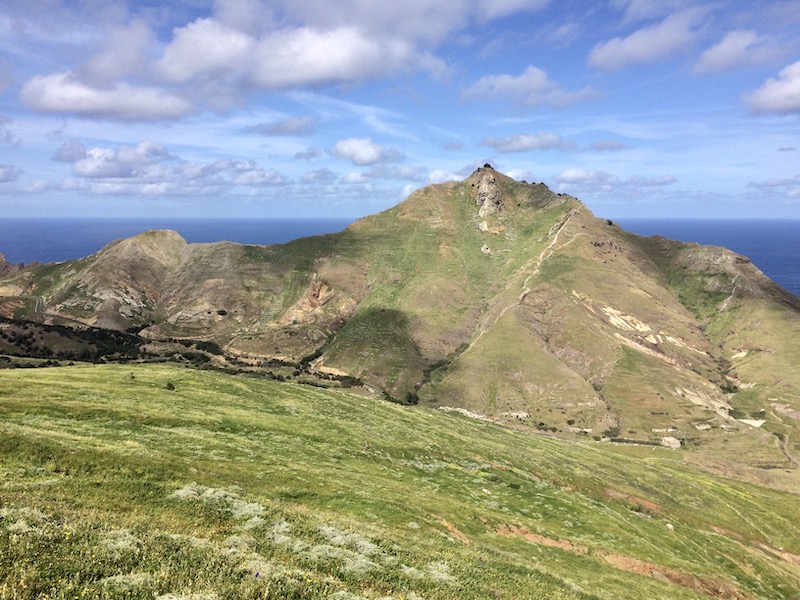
{"x":113,"y":486}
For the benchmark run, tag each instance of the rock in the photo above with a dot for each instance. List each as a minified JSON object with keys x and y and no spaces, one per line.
{"x":489,"y":196}
{"x":670,"y":442}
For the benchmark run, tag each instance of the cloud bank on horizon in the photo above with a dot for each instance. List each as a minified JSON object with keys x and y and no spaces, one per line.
{"x":257,"y":108}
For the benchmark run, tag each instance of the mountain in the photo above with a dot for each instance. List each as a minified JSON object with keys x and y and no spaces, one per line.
{"x":498,"y":298}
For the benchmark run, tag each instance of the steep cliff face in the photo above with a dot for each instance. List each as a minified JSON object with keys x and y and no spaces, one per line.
{"x":489,"y":295}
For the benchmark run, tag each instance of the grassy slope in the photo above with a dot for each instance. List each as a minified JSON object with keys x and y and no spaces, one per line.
{"x":113,"y":486}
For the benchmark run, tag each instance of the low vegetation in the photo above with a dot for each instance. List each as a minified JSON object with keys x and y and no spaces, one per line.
{"x":157,"y":481}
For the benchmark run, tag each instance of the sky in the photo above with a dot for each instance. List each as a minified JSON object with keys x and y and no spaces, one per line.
{"x":302,"y":108}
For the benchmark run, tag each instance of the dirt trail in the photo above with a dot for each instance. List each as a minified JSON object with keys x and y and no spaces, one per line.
{"x":785,"y":448}
{"x":535,"y":265}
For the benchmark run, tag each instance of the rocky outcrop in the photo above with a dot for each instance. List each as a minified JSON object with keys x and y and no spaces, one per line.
{"x":5,"y":266}
{"x":489,"y":196}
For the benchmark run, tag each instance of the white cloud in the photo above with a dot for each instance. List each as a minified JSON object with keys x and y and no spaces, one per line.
{"x":781,"y":96}
{"x":308,"y":57}
{"x":525,"y":142}
{"x":355,"y":177}
{"x":576,"y":176}
{"x":223,"y":50}
{"x":440,"y":176}
{"x":739,"y":48}
{"x":362,"y":151}
{"x":9,"y":173}
{"x":285,"y":58}
{"x":649,"y":44}
{"x":247,"y":172}
{"x":149,"y":168}
{"x":586,"y":179}
{"x":124,"y":162}
{"x":64,"y":93}
{"x":520,"y":174}
{"x":126,"y":51}
{"x":531,"y":88}
{"x":248,"y":16}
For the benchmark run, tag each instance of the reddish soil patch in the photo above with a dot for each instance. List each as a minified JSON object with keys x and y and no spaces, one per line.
{"x":790,"y":558}
{"x":704,"y":585}
{"x":526,"y":534}
{"x":617,"y":495}
{"x":454,"y":532}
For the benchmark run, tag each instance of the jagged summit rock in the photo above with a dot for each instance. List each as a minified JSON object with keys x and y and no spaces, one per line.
{"x":489,"y":195}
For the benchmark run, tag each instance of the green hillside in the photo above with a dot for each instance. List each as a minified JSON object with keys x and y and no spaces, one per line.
{"x":152,"y":481}
{"x":489,"y":295}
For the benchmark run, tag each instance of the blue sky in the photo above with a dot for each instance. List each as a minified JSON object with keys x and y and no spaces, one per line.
{"x":244,"y":108}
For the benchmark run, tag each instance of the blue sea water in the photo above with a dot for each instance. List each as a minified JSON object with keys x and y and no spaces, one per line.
{"x":774,"y":246}
{"x":52,"y":240}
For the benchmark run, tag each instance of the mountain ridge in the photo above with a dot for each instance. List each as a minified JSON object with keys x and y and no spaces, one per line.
{"x":489,"y":295}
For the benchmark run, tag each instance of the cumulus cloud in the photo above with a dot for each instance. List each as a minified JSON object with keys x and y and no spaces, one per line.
{"x":525,"y":142}
{"x":9,"y":173}
{"x":531,"y":88}
{"x":292,"y":126}
{"x":739,"y":48}
{"x":224,"y":49}
{"x":648,"y":44}
{"x":149,"y":168}
{"x":781,"y":95}
{"x":355,"y":177}
{"x":64,"y":93}
{"x":362,"y":151}
{"x":286,"y":57}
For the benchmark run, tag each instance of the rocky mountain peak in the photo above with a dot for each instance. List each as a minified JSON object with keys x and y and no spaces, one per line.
{"x":488,"y":194}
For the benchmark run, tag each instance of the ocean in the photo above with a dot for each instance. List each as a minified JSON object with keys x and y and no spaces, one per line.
{"x":53,"y":240}
{"x":774,"y":246}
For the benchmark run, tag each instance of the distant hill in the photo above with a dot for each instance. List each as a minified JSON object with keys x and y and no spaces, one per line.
{"x":495,"y":297}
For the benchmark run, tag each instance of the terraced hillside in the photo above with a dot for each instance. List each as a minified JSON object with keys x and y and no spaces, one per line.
{"x":164,"y":482}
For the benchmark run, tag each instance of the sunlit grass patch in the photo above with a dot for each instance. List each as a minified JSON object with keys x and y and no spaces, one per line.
{"x":267,"y":491}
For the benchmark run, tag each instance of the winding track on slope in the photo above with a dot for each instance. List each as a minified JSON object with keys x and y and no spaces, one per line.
{"x":536,"y":263}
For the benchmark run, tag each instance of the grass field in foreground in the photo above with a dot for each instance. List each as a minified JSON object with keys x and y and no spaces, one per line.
{"x":114,"y":486}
